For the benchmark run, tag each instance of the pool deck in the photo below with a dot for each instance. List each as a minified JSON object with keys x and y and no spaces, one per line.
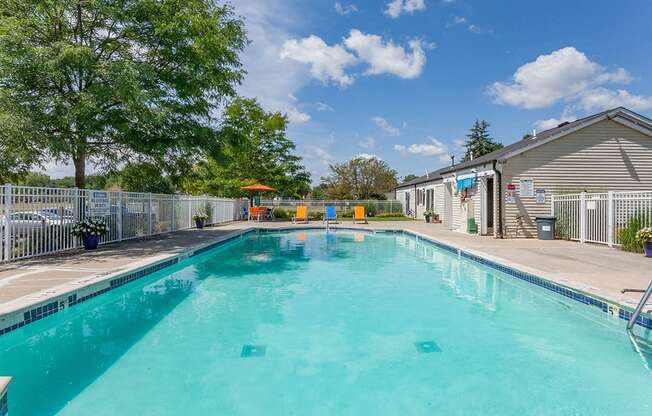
{"x":597,"y":270}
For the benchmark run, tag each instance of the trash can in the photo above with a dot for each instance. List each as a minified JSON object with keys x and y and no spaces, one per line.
{"x":546,"y":227}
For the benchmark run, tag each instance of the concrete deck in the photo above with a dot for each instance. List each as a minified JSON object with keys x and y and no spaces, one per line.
{"x":597,"y":270}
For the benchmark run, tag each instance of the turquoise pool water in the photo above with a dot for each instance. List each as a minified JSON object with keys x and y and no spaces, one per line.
{"x":309,"y":323}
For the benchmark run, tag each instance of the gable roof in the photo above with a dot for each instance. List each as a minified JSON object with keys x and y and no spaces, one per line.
{"x":432,"y":176}
{"x":554,"y":133}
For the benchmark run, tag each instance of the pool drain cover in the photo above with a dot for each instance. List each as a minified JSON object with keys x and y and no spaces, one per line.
{"x":253,"y":351}
{"x":425,"y":347}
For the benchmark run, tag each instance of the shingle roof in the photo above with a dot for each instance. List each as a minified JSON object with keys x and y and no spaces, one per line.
{"x":432,"y":176}
{"x":540,"y":138}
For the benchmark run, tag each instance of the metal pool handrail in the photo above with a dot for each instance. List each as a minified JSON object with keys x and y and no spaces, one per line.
{"x":639,"y":308}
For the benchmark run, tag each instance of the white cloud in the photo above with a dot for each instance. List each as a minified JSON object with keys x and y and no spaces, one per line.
{"x":567,"y":115}
{"x":327,"y":63}
{"x":323,"y":107}
{"x":386,"y":126}
{"x":397,"y":7}
{"x":367,"y":156}
{"x":561,"y":75}
{"x":432,"y":147}
{"x":273,"y":81}
{"x":345,"y":9}
{"x":457,"y":20}
{"x":296,"y":116}
{"x":387,"y":57}
{"x":368,"y":143}
{"x":599,"y":99}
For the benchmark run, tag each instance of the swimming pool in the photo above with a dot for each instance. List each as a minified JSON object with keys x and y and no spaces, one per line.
{"x":309,"y":322}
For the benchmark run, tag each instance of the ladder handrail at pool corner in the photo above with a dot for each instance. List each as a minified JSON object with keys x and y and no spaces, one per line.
{"x":640,"y":306}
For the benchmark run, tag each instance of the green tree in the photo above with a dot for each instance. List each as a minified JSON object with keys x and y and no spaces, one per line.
{"x":36,"y":179}
{"x":254,"y":148}
{"x":410,"y":177}
{"x":144,"y":177}
{"x":479,"y":142}
{"x":360,"y":178}
{"x":103,"y":81}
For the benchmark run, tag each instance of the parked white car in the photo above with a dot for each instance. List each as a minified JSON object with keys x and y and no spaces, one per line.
{"x":25,"y":221}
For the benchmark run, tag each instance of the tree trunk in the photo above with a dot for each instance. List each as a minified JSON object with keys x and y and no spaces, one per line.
{"x":79,"y":159}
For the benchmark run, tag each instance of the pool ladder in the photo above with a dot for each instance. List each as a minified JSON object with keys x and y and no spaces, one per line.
{"x":639,"y":308}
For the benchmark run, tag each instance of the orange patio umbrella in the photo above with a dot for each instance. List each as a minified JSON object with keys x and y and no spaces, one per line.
{"x":258,"y":187}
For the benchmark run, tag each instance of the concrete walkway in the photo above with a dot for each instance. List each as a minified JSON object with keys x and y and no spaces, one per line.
{"x":598,"y":270}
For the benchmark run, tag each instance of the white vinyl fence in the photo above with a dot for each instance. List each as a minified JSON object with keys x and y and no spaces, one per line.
{"x":36,"y":221}
{"x":372,"y":206}
{"x":600,"y":217}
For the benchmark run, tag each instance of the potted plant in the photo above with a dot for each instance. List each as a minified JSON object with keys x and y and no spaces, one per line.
{"x":644,"y":236}
{"x":90,"y":230}
{"x":428,"y":215}
{"x":200,"y":219}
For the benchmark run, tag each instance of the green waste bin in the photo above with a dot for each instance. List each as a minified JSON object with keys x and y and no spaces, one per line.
{"x":546,"y":227}
{"x":471,"y":226}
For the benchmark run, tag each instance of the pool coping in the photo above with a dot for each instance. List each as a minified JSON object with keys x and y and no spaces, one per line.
{"x":4,"y":389}
{"x":20,"y":312}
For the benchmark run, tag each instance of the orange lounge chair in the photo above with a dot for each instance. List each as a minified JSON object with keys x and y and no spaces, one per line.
{"x":301,"y":216}
{"x":359,"y":216}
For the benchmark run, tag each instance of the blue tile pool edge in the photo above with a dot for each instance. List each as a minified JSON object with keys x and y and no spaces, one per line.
{"x":32,"y":313}
{"x":53,"y":305}
{"x":610,"y":308}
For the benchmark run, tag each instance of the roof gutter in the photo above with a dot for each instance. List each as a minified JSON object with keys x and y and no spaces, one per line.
{"x":498,"y":179}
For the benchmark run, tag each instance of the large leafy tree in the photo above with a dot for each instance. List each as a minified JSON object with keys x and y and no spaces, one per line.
{"x":360,"y":178}
{"x":479,"y":142}
{"x":106,"y":80}
{"x":254,"y":148}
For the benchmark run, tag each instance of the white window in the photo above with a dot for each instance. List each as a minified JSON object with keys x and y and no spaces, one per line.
{"x":526,"y":188}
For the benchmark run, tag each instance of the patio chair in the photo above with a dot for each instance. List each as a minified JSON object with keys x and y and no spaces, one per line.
{"x":330,"y":216}
{"x":301,"y":215}
{"x":359,"y":215}
{"x":245,"y":213}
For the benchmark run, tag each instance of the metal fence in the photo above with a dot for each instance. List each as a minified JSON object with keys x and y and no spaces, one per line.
{"x":37,"y":221}
{"x":343,"y":207}
{"x":601,"y":217}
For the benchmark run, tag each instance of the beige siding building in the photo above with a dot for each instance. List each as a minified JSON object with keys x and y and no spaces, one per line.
{"x":504,"y":191}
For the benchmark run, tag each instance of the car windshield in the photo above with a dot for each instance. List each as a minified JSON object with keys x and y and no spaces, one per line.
{"x":51,"y":215}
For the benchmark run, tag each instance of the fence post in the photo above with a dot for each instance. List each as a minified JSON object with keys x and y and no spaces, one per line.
{"x":119,"y":216}
{"x":7,"y":222}
{"x":149,"y":214}
{"x":552,"y":205}
{"x":610,"y":219}
{"x":583,"y":217}
{"x":174,"y":214}
{"x":189,"y":211}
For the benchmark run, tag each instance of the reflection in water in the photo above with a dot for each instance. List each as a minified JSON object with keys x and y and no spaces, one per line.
{"x":54,"y":359}
{"x":466,"y":280}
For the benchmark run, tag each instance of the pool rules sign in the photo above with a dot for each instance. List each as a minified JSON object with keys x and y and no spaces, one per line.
{"x":99,"y":204}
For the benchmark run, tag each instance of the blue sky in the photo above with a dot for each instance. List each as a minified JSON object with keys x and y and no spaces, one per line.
{"x":405,"y":79}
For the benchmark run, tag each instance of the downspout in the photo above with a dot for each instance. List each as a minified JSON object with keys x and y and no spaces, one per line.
{"x":415,"y":201}
{"x":499,"y":199}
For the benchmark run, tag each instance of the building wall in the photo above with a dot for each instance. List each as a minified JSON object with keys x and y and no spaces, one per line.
{"x":439,"y":200}
{"x":606,"y":156}
{"x":400,"y":196}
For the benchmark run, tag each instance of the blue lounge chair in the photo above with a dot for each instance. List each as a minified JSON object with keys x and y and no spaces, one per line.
{"x":330,"y":216}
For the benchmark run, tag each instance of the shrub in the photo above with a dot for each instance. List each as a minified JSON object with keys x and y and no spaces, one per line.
{"x":390,"y":215}
{"x":627,"y":235}
{"x":281,"y":214}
